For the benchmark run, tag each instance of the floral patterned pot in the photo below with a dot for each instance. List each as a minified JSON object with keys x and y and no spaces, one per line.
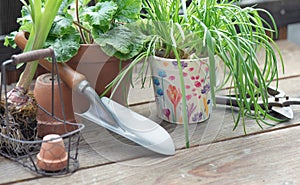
{"x":168,"y":94}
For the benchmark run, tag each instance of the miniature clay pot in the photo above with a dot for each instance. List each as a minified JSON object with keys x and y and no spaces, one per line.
{"x":52,"y":155}
{"x":43,"y":95}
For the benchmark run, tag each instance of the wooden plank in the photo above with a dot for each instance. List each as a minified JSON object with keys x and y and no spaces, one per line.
{"x":220,"y":125}
{"x":290,"y":53}
{"x":106,"y":148}
{"x":102,"y":147}
{"x":87,"y":157}
{"x":97,"y":147}
{"x":282,"y":33}
{"x":269,"y":158}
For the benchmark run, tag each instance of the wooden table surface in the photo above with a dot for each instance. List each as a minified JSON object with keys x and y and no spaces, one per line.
{"x":218,"y":155}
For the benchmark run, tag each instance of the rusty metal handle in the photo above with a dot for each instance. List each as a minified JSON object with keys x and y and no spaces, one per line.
{"x":71,"y":77}
{"x":32,"y":56}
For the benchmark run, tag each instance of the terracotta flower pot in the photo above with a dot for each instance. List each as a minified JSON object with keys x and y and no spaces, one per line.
{"x":43,"y":95}
{"x":99,"y":69}
{"x":52,"y":155}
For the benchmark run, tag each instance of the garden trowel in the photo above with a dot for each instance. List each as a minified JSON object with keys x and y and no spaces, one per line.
{"x":104,"y":111}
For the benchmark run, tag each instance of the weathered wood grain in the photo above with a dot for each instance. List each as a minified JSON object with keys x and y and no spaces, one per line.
{"x":268,"y":158}
{"x":101,"y":147}
{"x":108,"y":158}
{"x":290,"y":54}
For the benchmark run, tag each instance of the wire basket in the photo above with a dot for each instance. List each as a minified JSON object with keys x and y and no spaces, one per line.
{"x":51,"y":155}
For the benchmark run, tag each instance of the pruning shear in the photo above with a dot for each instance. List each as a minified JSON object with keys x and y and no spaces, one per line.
{"x":278,"y":102}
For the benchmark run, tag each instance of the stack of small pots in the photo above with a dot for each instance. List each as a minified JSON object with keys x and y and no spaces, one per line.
{"x":53,"y":117}
{"x":59,"y":107}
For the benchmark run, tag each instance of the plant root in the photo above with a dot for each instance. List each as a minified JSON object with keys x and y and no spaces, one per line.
{"x":18,"y":122}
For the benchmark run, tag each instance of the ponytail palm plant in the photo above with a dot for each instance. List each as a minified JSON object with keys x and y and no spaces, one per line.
{"x":236,"y":34}
{"x":225,"y":30}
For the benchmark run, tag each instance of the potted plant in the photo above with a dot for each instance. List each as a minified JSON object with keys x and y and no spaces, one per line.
{"x":224,"y":30}
{"x":180,"y":66}
{"x":80,"y":27}
{"x":19,"y":108}
{"x":235,"y":35}
{"x":87,"y":35}
{"x":78,"y":30}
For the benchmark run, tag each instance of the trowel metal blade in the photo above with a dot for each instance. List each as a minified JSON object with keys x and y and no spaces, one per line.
{"x":125,"y":122}
{"x":147,"y":133}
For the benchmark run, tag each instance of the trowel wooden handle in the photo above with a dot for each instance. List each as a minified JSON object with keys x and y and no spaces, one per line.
{"x":32,"y":55}
{"x":67,"y":74}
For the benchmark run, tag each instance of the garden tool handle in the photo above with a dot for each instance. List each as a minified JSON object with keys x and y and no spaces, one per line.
{"x":71,"y":77}
{"x":32,"y":56}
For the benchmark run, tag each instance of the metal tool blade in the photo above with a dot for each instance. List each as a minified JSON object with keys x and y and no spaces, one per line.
{"x":127,"y":123}
{"x":284,"y":111}
{"x":156,"y":139}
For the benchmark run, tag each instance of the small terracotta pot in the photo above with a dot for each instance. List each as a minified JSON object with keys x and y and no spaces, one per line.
{"x":52,"y":155}
{"x":43,"y":95}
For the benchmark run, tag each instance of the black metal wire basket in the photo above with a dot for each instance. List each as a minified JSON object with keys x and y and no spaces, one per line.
{"x":19,"y":140}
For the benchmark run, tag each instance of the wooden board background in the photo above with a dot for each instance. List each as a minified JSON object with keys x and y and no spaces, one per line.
{"x":218,"y":155}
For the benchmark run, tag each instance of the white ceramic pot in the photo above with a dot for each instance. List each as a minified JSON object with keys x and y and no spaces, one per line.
{"x":168,"y":94}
